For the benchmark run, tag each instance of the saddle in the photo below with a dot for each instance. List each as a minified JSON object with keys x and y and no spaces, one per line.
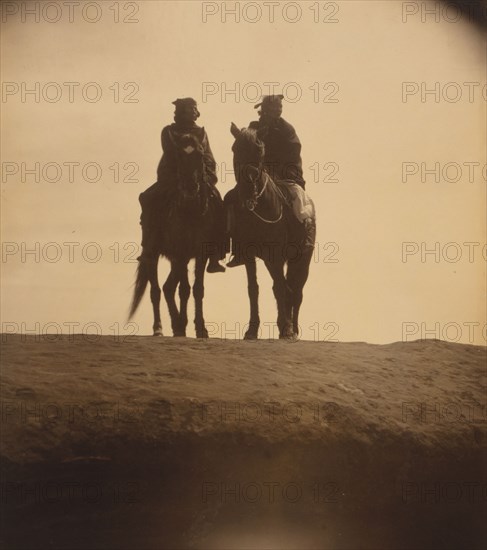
{"x":286,"y":190}
{"x":300,"y":202}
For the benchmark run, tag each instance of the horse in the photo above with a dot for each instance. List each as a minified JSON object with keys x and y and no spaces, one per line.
{"x":266,"y":228}
{"x":184,"y":232}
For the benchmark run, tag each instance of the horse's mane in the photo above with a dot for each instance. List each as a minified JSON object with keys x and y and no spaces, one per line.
{"x":248,"y":140}
{"x":249,"y":134}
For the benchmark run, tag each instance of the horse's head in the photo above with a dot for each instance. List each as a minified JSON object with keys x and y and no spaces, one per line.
{"x":190,"y":166}
{"x":248,"y":157}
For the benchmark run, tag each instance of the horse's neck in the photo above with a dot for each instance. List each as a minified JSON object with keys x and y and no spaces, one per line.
{"x":268,"y":190}
{"x":264,"y":181}
{"x":202,"y":179}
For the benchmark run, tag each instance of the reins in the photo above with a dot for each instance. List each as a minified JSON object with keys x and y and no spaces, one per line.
{"x":252,"y":203}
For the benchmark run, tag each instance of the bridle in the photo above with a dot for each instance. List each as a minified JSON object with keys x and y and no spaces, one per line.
{"x":186,"y":195}
{"x":252,"y":203}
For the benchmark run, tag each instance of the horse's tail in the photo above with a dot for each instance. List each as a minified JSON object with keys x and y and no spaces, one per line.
{"x":140,"y":285}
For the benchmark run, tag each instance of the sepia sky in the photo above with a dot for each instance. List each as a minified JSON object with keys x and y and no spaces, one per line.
{"x":387,"y":97}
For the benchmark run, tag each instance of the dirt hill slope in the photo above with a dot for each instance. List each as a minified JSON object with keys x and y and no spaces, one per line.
{"x":182,"y":443}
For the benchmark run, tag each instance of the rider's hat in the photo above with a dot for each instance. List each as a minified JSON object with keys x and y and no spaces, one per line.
{"x":268,"y":100}
{"x":185,"y":102}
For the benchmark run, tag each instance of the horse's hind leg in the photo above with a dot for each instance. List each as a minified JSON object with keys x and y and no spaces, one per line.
{"x":155,"y":295}
{"x":297,"y":275}
{"x":169,"y":289}
{"x":253,"y":290}
{"x":198,"y":293}
{"x":289,"y":300}
{"x":184,"y":293}
{"x":279,"y":287}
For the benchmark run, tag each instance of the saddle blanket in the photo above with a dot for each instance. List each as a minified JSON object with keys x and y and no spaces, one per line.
{"x":302,"y":204}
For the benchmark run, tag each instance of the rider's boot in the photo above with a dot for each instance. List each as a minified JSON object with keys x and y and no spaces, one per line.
{"x":214,"y":265}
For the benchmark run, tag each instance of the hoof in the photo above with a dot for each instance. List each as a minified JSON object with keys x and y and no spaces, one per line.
{"x":158,"y":332}
{"x":250,"y":336}
{"x":202,"y":334}
{"x":179,"y":333}
{"x":288,"y":335}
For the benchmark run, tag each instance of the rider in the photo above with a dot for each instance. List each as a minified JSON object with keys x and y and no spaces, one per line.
{"x":282,"y":161}
{"x":151,"y":199}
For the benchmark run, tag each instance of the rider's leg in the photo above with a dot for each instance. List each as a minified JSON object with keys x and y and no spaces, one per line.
{"x":310,"y":232}
{"x":304,"y":211}
{"x":232,"y":228}
{"x":148,"y":202}
{"x":237,"y":257}
{"x":216,"y":249}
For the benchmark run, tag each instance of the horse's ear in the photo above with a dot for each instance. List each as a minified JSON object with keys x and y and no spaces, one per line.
{"x":234,"y":130}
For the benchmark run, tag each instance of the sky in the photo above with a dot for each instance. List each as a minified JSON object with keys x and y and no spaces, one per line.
{"x":388,"y":99}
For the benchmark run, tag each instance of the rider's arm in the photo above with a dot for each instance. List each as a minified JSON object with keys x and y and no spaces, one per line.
{"x":168,"y":159}
{"x":209,"y":160}
{"x":294,"y":168}
{"x":167,"y":142}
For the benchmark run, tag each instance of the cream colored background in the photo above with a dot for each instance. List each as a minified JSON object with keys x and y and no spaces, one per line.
{"x":170,"y":53}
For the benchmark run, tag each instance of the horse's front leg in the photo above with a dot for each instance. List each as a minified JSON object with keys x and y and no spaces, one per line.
{"x":276,"y":270}
{"x":198,"y":293}
{"x":253,"y":290}
{"x":169,"y":289}
{"x":155,"y":294}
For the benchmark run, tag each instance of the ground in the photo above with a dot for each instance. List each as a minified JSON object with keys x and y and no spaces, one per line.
{"x":155,"y":443}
